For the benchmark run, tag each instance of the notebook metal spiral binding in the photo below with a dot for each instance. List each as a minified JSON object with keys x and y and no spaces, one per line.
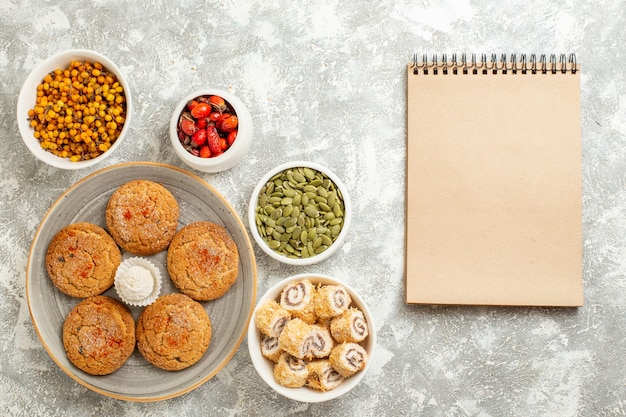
{"x":511,"y":64}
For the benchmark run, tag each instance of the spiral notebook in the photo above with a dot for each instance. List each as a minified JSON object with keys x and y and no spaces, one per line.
{"x":494,"y":181}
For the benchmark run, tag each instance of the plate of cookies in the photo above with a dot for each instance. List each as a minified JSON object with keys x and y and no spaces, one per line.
{"x":141,"y":281}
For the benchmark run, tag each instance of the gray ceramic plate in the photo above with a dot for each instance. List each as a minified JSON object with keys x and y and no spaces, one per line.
{"x":138,"y":380}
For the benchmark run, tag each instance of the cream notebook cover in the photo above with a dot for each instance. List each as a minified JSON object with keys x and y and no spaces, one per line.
{"x":494,"y":182}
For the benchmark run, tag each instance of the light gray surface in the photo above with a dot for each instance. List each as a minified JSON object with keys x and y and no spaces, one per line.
{"x":325,"y":81}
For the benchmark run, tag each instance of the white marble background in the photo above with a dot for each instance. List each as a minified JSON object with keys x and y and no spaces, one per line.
{"x":325,"y":81}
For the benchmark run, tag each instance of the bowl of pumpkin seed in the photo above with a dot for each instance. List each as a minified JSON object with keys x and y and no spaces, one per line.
{"x":299,"y":213}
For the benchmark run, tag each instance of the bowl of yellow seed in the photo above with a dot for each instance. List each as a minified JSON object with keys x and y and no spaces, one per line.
{"x":74,"y":109}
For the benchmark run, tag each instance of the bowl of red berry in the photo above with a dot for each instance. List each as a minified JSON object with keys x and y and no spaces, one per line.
{"x":211,"y":130}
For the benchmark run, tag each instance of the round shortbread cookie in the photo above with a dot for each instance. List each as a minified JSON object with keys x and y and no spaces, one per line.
{"x":142,"y":217}
{"x":99,"y":335}
{"x":203,"y":261}
{"x":81,"y":260}
{"x":174,"y":332}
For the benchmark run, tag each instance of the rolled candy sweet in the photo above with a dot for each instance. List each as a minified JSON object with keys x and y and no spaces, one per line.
{"x":348,"y":358}
{"x":270,"y":348}
{"x":296,"y":338}
{"x":290,"y":371}
{"x":322,"y":376}
{"x":321,"y":342}
{"x":271,"y":318}
{"x":297,"y":298}
{"x":330,"y":301}
{"x":349,"y":326}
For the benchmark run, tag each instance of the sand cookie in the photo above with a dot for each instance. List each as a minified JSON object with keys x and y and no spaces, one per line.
{"x":174,"y":332}
{"x":99,"y":335}
{"x":142,"y":217}
{"x":203,"y":261}
{"x":81,"y":260}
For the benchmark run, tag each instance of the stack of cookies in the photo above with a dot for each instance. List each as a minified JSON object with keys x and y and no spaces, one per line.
{"x":173,"y":331}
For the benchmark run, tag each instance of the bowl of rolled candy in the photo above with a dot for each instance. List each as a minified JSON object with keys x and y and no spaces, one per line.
{"x":311,"y":338}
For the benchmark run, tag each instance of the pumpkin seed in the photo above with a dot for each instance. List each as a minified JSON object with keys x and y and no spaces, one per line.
{"x":273,"y":244}
{"x":311,"y":211}
{"x":326,"y":240}
{"x":320,"y":249}
{"x":332,"y":198}
{"x":276,"y":214}
{"x":309,"y":173}
{"x":324,"y":207}
{"x":299,"y":177}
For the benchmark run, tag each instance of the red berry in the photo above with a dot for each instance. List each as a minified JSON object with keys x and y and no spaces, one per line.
{"x":202,"y":123}
{"x":218,"y":103}
{"x":205,"y":152}
{"x":191,"y":104}
{"x":201,"y":110}
{"x":231,"y":137}
{"x":215,"y":116}
{"x":213,"y":139}
{"x":217,"y":100}
{"x":218,"y":122}
{"x":188,"y":126}
{"x":228,"y":124}
{"x":199,"y":137}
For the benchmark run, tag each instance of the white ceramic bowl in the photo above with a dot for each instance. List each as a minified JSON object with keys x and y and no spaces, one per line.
{"x":265,"y":367}
{"x":230,"y":157}
{"x":28,"y":95}
{"x":299,"y":260}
